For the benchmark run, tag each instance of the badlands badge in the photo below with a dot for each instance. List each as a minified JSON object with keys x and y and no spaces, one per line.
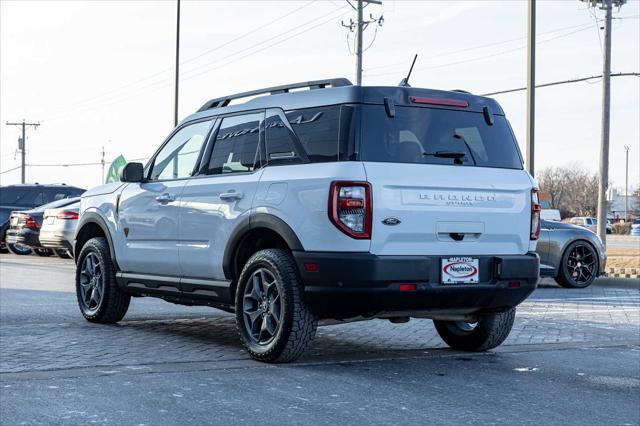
{"x":460,"y":270}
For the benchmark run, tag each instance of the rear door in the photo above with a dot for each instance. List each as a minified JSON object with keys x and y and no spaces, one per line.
{"x":444,"y":183}
{"x":214,"y":203}
{"x":149,"y":211}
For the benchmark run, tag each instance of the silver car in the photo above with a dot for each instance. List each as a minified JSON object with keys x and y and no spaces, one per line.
{"x":58,"y":229}
{"x":572,"y":255}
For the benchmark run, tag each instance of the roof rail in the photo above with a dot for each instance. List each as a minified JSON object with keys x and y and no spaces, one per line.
{"x":317,"y":84}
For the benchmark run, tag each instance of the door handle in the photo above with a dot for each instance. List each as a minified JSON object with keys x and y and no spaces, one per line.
{"x":165,"y":198}
{"x":231,"y":196}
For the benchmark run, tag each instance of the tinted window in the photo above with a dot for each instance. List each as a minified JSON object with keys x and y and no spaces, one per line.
{"x":178,"y":157}
{"x":280,"y":140}
{"x":16,"y":196}
{"x":236,"y":145}
{"x":40,"y":199}
{"x":429,"y":136}
{"x":318,"y":131}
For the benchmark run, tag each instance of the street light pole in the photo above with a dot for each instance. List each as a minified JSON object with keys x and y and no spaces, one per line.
{"x":175,"y":105}
{"x":604,"y":144}
{"x":531,"y":85}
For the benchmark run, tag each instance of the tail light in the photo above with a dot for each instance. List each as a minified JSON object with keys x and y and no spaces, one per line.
{"x":67,"y":215}
{"x":27,"y":222}
{"x":535,"y":215}
{"x":350,"y":208}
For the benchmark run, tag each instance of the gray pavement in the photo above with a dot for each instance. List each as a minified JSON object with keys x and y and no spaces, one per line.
{"x":573,"y":357}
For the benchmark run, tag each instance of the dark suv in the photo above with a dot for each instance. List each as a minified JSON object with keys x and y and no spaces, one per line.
{"x":28,"y":196}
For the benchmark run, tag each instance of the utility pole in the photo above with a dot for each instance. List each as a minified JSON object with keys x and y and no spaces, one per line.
{"x":531,"y":85}
{"x":175,"y":105}
{"x":23,"y":145}
{"x":603,"y":182}
{"x":626,"y":184}
{"x":360,"y":25}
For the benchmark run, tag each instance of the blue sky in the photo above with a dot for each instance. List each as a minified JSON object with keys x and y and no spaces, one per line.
{"x":100,"y":73}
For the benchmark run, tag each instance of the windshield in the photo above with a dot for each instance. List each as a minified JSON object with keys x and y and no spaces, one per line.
{"x":437,"y":136}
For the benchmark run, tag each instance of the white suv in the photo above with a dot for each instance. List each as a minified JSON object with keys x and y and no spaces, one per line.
{"x":340,"y":202}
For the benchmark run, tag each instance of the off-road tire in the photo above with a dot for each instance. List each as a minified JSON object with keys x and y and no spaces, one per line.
{"x":114,"y":302}
{"x":15,"y":249}
{"x":563,"y":278}
{"x":43,"y":252}
{"x":489,"y":332}
{"x":298,"y":324}
{"x":64,"y":254}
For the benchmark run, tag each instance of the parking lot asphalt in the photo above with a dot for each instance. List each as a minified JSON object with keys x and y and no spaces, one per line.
{"x":573,"y":357}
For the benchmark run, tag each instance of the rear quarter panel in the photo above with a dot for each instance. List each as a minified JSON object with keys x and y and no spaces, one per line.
{"x":299,"y":195}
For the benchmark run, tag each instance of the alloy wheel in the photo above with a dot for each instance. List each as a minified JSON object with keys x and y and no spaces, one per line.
{"x":581,"y":263}
{"x":91,"y":285}
{"x":262,"y":307}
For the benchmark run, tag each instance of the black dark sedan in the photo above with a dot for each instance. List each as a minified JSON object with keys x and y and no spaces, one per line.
{"x":574,"y":256}
{"x":24,"y":228}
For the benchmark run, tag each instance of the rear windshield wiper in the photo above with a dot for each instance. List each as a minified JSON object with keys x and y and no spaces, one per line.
{"x":456,"y":155}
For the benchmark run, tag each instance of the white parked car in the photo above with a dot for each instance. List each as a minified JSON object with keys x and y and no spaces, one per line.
{"x":591,"y":223}
{"x":342,"y":202}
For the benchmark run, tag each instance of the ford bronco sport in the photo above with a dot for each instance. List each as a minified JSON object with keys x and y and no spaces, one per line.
{"x":340,"y":202}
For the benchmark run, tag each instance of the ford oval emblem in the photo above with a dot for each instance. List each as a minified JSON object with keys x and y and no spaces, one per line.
{"x":391,"y":221}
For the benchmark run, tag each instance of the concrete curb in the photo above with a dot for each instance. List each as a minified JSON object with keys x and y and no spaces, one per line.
{"x":623,"y":273}
{"x":616,"y":282}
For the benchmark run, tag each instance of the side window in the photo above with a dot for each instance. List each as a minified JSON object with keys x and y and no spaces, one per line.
{"x":280,"y":140}
{"x":318,"y":131}
{"x":236,"y":148}
{"x":40,"y":199}
{"x":178,"y":156}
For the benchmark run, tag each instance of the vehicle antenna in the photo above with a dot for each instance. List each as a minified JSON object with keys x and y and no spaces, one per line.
{"x":405,"y":81}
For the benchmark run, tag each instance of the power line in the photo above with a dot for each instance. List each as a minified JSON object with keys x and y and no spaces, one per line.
{"x":556,"y":83}
{"x":503,"y":52}
{"x":164,"y":83}
{"x":191,"y":59}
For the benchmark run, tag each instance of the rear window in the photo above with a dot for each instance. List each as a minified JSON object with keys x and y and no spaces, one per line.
{"x":437,"y":136}
{"x":16,"y":196}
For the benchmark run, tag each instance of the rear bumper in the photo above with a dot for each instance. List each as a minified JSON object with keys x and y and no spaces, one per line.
{"x":25,"y":237}
{"x":54,"y":240}
{"x":348,"y":285}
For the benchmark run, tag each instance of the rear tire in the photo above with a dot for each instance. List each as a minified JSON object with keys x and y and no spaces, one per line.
{"x":489,"y":332}
{"x":99,"y":297}
{"x":43,"y":252}
{"x":18,"y":249}
{"x":64,"y":254}
{"x":273,"y":320}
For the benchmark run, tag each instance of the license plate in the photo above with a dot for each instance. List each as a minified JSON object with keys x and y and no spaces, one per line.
{"x":51,"y":220}
{"x":14,"y":221}
{"x":460,"y":270}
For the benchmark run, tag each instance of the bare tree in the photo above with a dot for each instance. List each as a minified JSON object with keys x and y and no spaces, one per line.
{"x":573,"y":190}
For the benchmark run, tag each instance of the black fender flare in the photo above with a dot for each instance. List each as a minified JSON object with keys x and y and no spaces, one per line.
{"x":96,"y":219}
{"x":253,"y":221}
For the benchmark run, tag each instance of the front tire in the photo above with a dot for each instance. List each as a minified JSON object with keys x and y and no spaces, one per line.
{"x":99,"y":297}
{"x":489,"y":332}
{"x":273,"y":320}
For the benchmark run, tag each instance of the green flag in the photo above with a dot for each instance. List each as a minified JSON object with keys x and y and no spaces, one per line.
{"x":114,"y":170}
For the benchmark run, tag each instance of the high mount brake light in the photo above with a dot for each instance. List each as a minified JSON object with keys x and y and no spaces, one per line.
{"x":535,"y":215}
{"x":67,"y":215}
{"x":436,"y":101}
{"x":350,"y":208}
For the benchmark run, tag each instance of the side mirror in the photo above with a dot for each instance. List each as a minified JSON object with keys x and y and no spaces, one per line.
{"x":132,"y":172}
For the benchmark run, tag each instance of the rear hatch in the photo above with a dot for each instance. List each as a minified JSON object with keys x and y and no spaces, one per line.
{"x":445,"y":182}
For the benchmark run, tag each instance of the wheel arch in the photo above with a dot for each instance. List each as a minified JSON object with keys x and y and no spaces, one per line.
{"x":92,"y":225}
{"x":254,"y":231}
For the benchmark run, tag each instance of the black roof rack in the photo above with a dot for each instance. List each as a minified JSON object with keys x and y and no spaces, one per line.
{"x":317,"y":84}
